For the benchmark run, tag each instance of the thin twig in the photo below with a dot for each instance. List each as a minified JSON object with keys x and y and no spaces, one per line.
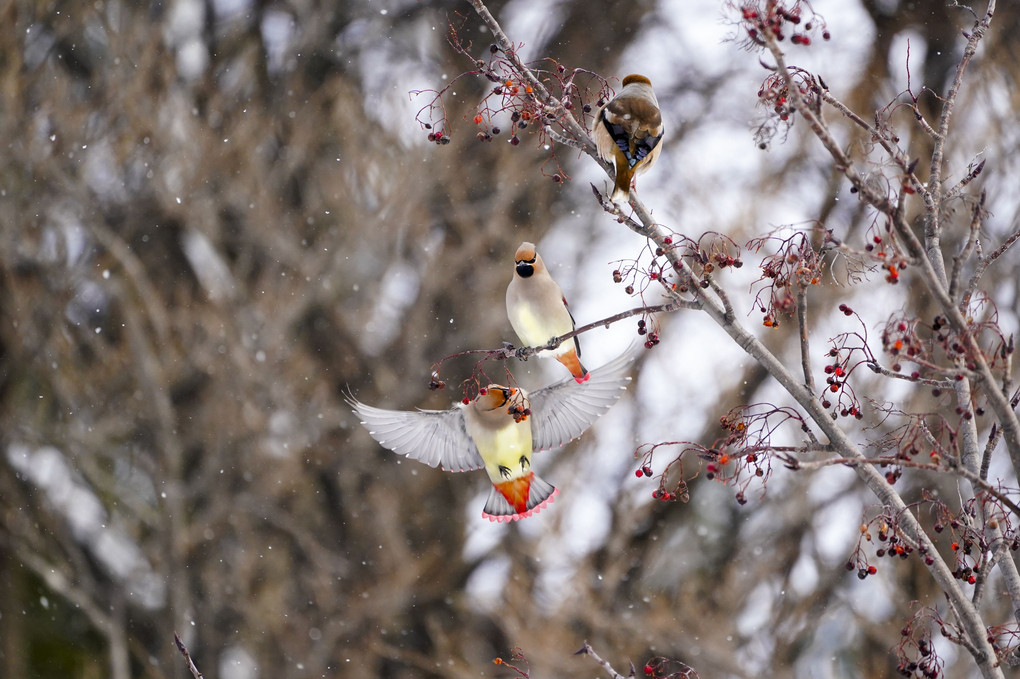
{"x":977,"y":217}
{"x":508,"y":350}
{"x":894,"y":151}
{"x":939,"y":384}
{"x":853,"y":462}
{"x":187,"y":656}
{"x":525,"y":352}
{"x":933,"y":198}
{"x":589,"y":651}
{"x":984,"y":262}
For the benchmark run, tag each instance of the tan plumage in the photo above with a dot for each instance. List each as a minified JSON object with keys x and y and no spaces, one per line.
{"x":628,"y":132}
{"x":491,"y":432}
{"x":538,"y":311}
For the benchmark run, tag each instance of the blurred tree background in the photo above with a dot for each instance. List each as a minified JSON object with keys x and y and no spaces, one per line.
{"x":217,"y":215}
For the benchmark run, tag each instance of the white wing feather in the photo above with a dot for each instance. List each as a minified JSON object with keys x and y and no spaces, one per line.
{"x":564,"y":410}
{"x":434,"y":437}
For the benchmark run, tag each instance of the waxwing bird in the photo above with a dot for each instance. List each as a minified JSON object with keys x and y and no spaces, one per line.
{"x":538,"y":310}
{"x":499,"y":430}
{"x":628,"y":132}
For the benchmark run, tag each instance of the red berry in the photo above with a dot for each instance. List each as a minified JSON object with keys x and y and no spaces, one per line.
{"x":639,"y":473}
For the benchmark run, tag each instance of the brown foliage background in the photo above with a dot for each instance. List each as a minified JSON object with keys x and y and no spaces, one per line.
{"x":209,"y":234}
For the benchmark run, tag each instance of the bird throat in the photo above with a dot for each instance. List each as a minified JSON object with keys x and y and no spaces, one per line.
{"x":525,"y":269}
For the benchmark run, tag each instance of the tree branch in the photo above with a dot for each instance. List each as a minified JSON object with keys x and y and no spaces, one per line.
{"x":933,"y":197}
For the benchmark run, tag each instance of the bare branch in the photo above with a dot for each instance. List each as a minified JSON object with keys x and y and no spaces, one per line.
{"x":805,"y":345}
{"x":935,"y":194}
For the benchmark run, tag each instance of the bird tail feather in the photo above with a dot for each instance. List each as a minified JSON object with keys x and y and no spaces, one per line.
{"x":519,"y":498}
{"x":573,"y":363}
{"x":621,"y":190}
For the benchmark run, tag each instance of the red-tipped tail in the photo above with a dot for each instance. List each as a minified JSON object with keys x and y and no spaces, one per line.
{"x":518,"y":499}
{"x":573,"y":364}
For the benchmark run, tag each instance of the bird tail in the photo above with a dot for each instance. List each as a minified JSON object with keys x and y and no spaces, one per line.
{"x":621,"y":191}
{"x":518,"y":499}
{"x":573,"y":363}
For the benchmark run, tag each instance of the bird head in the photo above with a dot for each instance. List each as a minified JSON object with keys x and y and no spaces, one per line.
{"x":635,"y":78}
{"x":493,"y":396}
{"x":526,"y":260}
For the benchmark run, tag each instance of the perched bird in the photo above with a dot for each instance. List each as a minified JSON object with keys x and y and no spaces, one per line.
{"x":499,"y":430}
{"x":628,"y":132}
{"x":538,"y":310}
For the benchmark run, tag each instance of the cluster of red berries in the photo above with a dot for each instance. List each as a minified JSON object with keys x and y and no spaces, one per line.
{"x":893,"y":264}
{"x":900,"y":339}
{"x":713,"y":468}
{"x":775,"y":20}
{"x":898,"y":548}
{"x":775,"y":93}
{"x":719,"y":251}
{"x":618,"y":277}
{"x":659,"y":493}
{"x":795,"y":265}
{"x":836,"y":379}
{"x":929,"y":665}
{"x":667,"y":668}
{"x":652,"y":338}
{"x":863,"y":571}
{"x":437,"y":137}
{"x":519,"y":412}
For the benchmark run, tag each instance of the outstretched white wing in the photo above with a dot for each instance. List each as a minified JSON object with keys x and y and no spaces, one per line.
{"x":435,"y":437}
{"x":564,"y":410}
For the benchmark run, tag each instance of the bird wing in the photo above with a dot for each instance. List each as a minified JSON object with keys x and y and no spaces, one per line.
{"x":642,"y":147}
{"x":564,"y":410}
{"x":435,"y":437}
{"x":635,"y":140}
